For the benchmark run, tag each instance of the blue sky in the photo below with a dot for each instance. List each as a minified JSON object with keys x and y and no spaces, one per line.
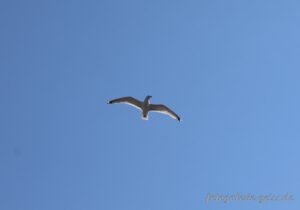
{"x":229,"y":68}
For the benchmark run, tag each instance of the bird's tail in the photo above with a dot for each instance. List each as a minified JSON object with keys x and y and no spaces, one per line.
{"x":145,"y":117}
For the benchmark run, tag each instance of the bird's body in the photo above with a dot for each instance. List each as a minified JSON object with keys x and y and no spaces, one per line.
{"x":146,"y":107}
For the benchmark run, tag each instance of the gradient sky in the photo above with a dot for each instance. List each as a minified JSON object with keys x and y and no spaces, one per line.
{"x":231,"y":69}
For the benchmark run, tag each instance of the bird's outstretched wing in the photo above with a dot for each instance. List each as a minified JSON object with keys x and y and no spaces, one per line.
{"x":128,"y":100}
{"x":163,"y":109}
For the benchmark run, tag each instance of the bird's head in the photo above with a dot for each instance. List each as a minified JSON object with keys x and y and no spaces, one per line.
{"x":148,"y":98}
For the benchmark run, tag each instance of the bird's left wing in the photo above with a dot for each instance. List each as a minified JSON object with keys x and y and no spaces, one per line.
{"x":163,"y":109}
{"x":128,"y":100}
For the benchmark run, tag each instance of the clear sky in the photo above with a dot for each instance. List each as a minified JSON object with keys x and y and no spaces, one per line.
{"x":230,"y":69}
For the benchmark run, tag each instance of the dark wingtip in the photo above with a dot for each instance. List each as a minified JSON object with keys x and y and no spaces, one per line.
{"x":109,"y":102}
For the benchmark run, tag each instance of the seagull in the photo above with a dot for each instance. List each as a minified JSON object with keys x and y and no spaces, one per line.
{"x":146,"y":107}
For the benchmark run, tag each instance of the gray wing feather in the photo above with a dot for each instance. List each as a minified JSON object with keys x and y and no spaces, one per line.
{"x":163,"y":109}
{"x":128,"y":100}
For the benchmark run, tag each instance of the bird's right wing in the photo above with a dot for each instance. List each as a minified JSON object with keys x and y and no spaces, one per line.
{"x":165,"y":110}
{"x":128,"y":100}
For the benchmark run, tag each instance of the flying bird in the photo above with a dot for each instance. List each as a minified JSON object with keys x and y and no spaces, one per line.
{"x":146,"y":107}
